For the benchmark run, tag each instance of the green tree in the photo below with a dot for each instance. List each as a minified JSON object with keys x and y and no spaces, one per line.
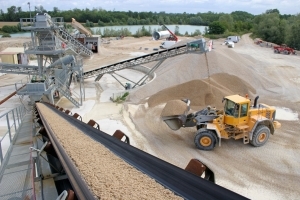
{"x":216,"y":28}
{"x":196,"y":20}
{"x":227,"y":21}
{"x":55,"y":10}
{"x":293,"y":36}
{"x":11,"y":13}
{"x":271,"y":28}
{"x":101,"y":23}
{"x":272,"y":11}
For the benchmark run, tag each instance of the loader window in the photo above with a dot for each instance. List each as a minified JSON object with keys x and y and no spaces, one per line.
{"x":244,"y":110}
{"x":229,"y":107}
{"x":236,"y":110}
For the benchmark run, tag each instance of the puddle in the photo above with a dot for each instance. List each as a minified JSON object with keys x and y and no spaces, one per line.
{"x":286,"y":114}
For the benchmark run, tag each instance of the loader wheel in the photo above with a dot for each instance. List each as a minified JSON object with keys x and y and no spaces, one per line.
{"x":205,"y":140}
{"x":260,"y":136}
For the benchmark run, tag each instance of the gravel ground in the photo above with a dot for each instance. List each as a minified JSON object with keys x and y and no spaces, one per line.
{"x":268,"y":172}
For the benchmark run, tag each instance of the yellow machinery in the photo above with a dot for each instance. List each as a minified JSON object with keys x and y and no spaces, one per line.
{"x":239,"y":120}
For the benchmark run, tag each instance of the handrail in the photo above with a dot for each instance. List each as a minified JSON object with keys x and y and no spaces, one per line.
{"x":12,"y":121}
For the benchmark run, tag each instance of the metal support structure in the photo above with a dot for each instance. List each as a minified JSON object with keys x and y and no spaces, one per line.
{"x":8,"y":126}
{"x":112,"y":74}
{"x":150,"y":72}
{"x":175,"y":51}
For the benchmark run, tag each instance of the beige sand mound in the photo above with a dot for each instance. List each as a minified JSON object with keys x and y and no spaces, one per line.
{"x":232,"y":83}
{"x":203,"y":92}
{"x":174,"y":107}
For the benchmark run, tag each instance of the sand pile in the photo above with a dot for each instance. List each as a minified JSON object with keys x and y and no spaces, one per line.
{"x":203,"y":92}
{"x":174,"y":107}
{"x":108,"y":176}
{"x":177,"y":70}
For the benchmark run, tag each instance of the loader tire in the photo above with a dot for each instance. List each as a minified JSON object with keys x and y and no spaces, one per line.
{"x":260,"y":136}
{"x":205,"y":140}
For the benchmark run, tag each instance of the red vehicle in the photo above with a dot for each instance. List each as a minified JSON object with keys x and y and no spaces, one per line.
{"x":284,"y":49}
{"x":172,"y":37}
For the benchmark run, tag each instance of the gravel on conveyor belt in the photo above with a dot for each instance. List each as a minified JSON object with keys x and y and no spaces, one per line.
{"x":107,"y":175}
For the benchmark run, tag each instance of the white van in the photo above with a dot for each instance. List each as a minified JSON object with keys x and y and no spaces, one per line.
{"x":234,"y":39}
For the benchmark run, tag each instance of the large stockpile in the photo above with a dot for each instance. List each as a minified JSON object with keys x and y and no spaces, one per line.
{"x":209,"y":91}
{"x":108,"y":176}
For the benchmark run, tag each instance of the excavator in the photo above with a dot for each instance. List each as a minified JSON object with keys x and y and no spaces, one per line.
{"x":239,"y":120}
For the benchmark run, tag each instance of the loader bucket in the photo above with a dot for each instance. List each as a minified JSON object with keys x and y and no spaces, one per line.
{"x":174,"y":122}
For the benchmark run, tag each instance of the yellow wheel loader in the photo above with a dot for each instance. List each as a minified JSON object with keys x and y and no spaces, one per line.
{"x":239,"y":120}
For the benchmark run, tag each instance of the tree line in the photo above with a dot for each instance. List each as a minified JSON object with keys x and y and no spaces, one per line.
{"x":103,"y":17}
{"x":270,"y":26}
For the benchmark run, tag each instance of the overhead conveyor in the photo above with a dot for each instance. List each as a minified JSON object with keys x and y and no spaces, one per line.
{"x":181,"y":182}
{"x":197,"y":46}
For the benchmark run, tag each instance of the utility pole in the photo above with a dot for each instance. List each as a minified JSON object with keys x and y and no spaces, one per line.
{"x":29,"y":9}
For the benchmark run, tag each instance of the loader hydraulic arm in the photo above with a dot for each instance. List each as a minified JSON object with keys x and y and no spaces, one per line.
{"x":173,"y":37}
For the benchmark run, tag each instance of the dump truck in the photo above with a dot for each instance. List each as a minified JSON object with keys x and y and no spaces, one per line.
{"x":239,"y":120}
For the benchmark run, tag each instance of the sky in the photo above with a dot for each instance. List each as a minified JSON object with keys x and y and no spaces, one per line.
{"x":169,"y":6}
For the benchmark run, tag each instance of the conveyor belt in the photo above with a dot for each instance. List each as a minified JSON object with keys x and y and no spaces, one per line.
{"x":163,"y":54}
{"x":176,"y":179}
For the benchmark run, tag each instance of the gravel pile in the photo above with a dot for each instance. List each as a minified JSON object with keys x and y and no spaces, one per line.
{"x":203,"y":92}
{"x":107,"y":175}
{"x":174,"y":107}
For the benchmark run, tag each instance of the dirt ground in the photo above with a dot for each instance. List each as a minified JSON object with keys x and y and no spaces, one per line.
{"x":268,"y":172}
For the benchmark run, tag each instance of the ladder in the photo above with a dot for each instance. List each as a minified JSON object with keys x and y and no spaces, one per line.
{"x":72,"y":44}
{"x":245,"y":133}
{"x":64,"y":90}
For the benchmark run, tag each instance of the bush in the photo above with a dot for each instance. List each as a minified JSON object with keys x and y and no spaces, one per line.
{"x":6,"y":35}
{"x":122,"y":98}
{"x":101,"y":23}
{"x":143,"y":32}
{"x":10,"y":29}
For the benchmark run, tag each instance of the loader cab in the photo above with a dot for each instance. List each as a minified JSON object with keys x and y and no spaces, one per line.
{"x":236,"y":110}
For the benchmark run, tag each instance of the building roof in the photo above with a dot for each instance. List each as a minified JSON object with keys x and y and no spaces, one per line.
{"x":12,"y":50}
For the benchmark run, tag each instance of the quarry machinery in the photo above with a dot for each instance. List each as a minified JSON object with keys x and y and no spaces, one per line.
{"x":172,"y":36}
{"x":170,"y":40}
{"x":239,"y":120}
{"x":85,"y":37}
{"x":284,"y":49}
